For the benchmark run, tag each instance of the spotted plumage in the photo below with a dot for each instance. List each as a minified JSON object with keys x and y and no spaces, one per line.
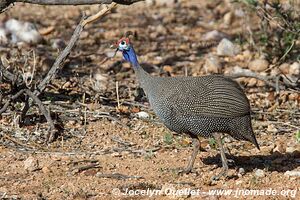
{"x":199,"y":106}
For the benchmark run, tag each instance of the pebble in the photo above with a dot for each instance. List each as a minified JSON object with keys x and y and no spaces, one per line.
{"x":279,"y":148}
{"x":58,"y":44}
{"x":259,"y":173}
{"x":290,"y":149}
{"x":252,"y":82}
{"x":212,"y":64}
{"x":258,"y":65}
{"x":228,"y":18}
{"x":294,"y":69}
{"x":214,"y":35}
{"x":46,"y":170}
{"x":142,"y":115}
{"x":101,"y":82}
{"x":227,"y":48}
{"x":31,"y":164}
{"x":292,"y":173}
{"x":284,"y":68}
{"x":22,"y":31}
{"x":241,"y":172}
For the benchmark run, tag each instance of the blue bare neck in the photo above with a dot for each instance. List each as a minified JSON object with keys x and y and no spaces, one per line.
{"x":143,"y":77}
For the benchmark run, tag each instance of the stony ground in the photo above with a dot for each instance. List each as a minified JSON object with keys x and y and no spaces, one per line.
{"x":106,"y":150}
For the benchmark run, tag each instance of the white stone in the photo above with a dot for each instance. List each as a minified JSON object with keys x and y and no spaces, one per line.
{"x":292,"y":173}
{"x":259,"y":173}
{"x":241,"y":171}
{"x":258,"y":65}
{"x":227,"y":48}
{"x":142,"y":115}
{"x":213,"y":35}
{"x":212,"y":64}
{"x":31,"y":164}
{"x":22,"y":31}
{"x":294,"y":69}
{"x":228,"y":18}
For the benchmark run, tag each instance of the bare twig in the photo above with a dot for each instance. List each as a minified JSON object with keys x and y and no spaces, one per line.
{"x":14,"y":97}
{"x":15,"y":141}
{"x":51,"y":135}
{"x":5,"y":3}
{"x":254,"y":75}
{"x":64,"y":54}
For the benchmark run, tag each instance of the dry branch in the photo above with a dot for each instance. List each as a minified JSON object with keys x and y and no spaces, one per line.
{"x":20,"y":88}
{"x":5,"y":3}
{"x":270,"y":81}
{"x":64,"y":54}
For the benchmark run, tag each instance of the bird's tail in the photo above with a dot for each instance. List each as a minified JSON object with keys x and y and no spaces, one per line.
{"x":241,"y":128}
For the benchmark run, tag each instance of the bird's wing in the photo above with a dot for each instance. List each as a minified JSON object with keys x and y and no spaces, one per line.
{"x":213,"y":98}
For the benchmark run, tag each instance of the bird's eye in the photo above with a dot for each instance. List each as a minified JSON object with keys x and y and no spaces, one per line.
{"x":123,"y":45}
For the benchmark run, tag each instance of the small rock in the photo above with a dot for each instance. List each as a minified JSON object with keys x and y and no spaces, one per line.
{"x":241,"y":172}
{"x":252,"y":82}
{"x":239,"y":12}
{"x":279,"y":148}
{"x":271,"y":128}
{"x":31,"y":164}
{"x":101,"y":82}
{"x":292,"y":173}
{"x":274,"y":72}
{"x":227,"y":48}
{"x":161,"y":29}
{"x":23,"y":31}
{"x":214,"y":35}
{"x":58,"y":44}
{"x":290,"y":149}
{"x":29,"y":34}
{"x":294,"y":69}
{"x":212,"y":64}
{"x":46,"y":170}
{"x":284,"y":68}
{"x":168,"y":68}
{"x":142,"y":115}
{"x":258,"y":65}
{"x":259,"y":173}
{"x":116,"y":154}
{"x":228,"y":18}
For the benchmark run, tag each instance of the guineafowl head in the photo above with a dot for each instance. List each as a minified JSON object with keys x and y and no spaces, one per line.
{"x":127,"y":50}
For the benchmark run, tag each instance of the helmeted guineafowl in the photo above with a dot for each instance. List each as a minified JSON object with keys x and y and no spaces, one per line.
{"x":199,"y":106}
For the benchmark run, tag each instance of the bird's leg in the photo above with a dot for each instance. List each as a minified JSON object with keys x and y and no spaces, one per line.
{"x":224,"y":171}
{"x":196,"y":144}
